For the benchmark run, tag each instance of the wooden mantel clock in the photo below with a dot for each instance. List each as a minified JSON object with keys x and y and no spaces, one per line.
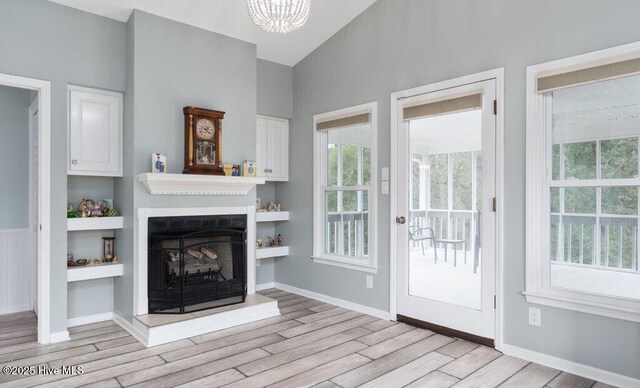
{"x":202,"y":141}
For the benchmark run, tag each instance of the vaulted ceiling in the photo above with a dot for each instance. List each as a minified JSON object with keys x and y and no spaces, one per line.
{"x":229,"y":17}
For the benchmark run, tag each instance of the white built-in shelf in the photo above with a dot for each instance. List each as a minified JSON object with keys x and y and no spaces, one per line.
{"x":265,"y":253}
{"x":191,"y":184}
{"x":272,"y":216}
{"x":94,"y":223}
{"x":88,"y":272}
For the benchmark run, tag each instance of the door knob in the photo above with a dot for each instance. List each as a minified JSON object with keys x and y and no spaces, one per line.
{"x":401,"y":220}
{"x":74,"y":161}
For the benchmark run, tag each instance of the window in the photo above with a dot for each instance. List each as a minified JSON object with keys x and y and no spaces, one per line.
{"x":583,"y":138}
{"x":344,"y":188}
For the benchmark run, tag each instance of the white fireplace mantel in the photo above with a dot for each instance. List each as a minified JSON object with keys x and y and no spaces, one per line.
{"x":189,"y":184}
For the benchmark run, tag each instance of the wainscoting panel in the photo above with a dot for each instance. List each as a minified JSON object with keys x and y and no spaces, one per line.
{"x":17,"y":271}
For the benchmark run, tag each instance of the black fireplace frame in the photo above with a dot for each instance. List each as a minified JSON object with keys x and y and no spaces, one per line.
{"x":186,"y":291}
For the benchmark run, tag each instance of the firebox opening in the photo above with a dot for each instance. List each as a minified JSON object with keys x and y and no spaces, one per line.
{"x":196,"y":263}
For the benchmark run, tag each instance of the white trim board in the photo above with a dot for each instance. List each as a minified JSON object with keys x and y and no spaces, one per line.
{"x":128,"y":326}
{"x":88,"y":319}
{"x":60,"y":336}
{"x":498,"y":75}
{"x":334,"y":301}
{"x":44,"y":202}
{"x":14,"y":309}
{"x":265,"y":286}
{"x":571,"y":367}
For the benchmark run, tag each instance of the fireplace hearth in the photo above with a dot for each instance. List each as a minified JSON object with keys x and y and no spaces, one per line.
{"x":196,"y":262}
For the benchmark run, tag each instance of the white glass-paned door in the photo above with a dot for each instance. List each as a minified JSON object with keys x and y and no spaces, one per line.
{"x":446,"y":240}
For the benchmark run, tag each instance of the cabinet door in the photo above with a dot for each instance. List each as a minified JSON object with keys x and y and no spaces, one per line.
{"x":278,"y":150}
{"x":95,"y":132}
{"x":261,"y":148}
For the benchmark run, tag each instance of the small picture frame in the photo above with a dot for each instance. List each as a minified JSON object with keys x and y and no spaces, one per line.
{"x":158,"y":163}
{"x":248,"y":168}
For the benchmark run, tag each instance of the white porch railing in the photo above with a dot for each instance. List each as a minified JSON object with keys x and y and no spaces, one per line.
{"x":603,"y":242}
{"x":352,"y":226}
{"x":448,"y":224}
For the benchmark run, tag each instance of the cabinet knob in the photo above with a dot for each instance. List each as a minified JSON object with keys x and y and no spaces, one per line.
{"x":270,"y":170}
{"x":266,"y":170}
{"x":74,"y":161}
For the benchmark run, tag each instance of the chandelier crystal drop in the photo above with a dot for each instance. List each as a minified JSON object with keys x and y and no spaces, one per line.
{"x":279,"y":16}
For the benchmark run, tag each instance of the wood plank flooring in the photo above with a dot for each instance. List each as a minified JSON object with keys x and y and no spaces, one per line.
{"x":312,"y":344}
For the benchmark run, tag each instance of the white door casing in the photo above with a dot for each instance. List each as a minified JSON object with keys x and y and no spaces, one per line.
{"x":490,"y":326}
{"x":44,"y":197}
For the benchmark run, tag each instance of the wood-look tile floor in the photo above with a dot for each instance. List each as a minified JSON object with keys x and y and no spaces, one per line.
{"x":312,"y":344}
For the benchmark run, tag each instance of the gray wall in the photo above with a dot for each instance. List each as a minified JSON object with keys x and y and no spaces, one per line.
{"x":275,"y":89}
{"x":172,"y":65}
{"x":395,"y":45}
{"x":61,"y":45}
{"x":14,"y":157}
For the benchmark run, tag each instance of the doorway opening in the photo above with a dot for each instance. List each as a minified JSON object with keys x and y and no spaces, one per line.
{"x":25,"y":207}
{"x":446,"y":270}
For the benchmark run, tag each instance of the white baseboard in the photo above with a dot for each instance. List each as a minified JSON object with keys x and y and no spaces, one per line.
{"x":571,"y":367}
{"x":60,"y":336}
{"x":15,"y":309}
{"x":265,"y":286}
{"x":87,"y":319}
{"x":128,"y":326}
{"x":335,"y":301}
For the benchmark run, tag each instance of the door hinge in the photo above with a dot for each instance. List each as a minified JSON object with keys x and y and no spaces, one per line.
{"x":495,"y":107}
{"x":495,"y":204}
{"x":494,"y":302}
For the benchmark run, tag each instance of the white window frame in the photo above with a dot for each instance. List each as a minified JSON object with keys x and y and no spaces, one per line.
{"x":367,"y":263}
{"x":538,"y":182}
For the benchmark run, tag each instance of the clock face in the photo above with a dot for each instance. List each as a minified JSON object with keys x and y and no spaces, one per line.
{"x":204,"y":129}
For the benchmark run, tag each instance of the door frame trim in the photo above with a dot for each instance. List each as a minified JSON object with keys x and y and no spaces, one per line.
{"x":44,"y":197}
{"x":498,"y":76}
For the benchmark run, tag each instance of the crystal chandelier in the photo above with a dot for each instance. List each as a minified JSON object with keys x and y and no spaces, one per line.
{"x":279,"y":16}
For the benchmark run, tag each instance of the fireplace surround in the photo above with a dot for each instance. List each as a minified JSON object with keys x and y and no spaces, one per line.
{"x":196,"y":262}
{"x":237,"y":218}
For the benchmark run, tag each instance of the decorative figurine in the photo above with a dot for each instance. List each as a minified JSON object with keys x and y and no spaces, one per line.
{"x":104,"y":206}
{"x":259,"y":243}
{"x":86,"y":207}
{"x":271,"y":242}
{"x":279,"y":240}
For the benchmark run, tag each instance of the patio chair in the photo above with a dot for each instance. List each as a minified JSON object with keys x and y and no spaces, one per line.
{"x":421,"y":234}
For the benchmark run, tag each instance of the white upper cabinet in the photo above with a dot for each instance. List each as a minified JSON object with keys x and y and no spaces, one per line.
{"x":272,"y":154}
{"x":95,"y":132}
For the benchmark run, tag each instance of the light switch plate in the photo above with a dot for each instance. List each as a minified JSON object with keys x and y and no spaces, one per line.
{"x":385,"y":173}
{"x":385,"y":187}
{"x":369,"y":281}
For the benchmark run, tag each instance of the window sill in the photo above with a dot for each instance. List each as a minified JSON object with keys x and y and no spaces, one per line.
{"x":342,"y":264}
{"x":627,"y":310}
